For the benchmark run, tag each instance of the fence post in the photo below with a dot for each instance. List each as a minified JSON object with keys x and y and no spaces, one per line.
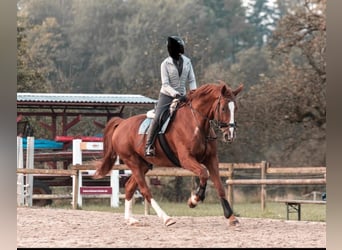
{"x":77,"y":147}
{"x":76,"y":152}
{"x":146,"y":203}
{"x":262,"y":187}
{"x":80,"y":184}
{"x":29,"y":164}
{"x":77,"y":160}
{"x":230,"y":187}
{"x":75,"y":190}
{"x":115,"y":185}
{"x":20,"y":177}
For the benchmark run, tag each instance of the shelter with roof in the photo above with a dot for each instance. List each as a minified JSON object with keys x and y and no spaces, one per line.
{"x":65,"y":110}
{"x":67,"y":105}
{"x":69,"y":108}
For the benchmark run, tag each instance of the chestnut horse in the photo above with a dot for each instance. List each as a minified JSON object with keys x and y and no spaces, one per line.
{"x":190,"y":138}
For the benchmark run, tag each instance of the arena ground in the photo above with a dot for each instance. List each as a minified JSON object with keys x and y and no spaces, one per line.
{"x":47,"y":228}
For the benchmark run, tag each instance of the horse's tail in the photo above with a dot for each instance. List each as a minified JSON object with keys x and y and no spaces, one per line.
{"x":109,"y":155}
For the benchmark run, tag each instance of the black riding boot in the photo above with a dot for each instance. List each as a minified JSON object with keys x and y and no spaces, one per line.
{"x":151,"y":136}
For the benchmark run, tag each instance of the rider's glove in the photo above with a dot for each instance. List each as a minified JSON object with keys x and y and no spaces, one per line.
{"x":181,"y":98}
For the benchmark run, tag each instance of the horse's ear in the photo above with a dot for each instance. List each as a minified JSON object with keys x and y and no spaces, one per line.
{"x":224,"y":89}
{"x":221,"y":82}
{"x":238,"y":90}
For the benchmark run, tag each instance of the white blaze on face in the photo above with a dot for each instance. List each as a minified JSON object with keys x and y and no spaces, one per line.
{"x":231,"y":106}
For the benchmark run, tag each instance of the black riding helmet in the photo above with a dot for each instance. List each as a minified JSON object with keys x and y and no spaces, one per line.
{"x":175,"y":46}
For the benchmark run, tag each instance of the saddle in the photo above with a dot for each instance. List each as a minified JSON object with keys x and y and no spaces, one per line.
{"x":165,"y":119}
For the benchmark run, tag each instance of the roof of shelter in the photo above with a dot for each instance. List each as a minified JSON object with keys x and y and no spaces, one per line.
{"x":77,"y":99}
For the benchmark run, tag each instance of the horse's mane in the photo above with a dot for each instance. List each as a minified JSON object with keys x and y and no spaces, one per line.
{"x":211,"y":88}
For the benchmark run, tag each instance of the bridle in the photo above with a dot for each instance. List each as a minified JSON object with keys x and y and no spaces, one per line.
{"x":217,"y":122}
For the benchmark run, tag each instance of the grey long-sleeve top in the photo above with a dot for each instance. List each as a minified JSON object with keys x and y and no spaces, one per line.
{"x":172,"y":83}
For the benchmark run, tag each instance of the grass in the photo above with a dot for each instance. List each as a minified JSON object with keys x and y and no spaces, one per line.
{"x":273,"y":210}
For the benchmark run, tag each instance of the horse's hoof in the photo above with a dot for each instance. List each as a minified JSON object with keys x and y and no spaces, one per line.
{"x":132,"y":222}
{"x":169,"y":222}
{"x":190,"y":204}
{"x":234,"y":222}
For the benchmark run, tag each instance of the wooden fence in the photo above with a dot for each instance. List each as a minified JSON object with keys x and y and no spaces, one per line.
{"x":267,"y":171}
{"x":226,"y":170}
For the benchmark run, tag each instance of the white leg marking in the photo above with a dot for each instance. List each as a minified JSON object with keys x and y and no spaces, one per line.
{"x":193,"y":200}
{"x":128,"y":212}
{"x":161,"y":214}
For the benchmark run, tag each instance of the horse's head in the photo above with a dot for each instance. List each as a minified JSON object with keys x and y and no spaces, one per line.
{"x":225,"y":112}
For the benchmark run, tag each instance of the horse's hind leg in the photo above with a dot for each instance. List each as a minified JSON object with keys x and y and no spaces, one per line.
{"x":138,"y":179}
{"x":130,"y":187}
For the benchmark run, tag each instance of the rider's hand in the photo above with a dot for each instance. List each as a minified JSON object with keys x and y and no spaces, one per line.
{"x":181,"y":98}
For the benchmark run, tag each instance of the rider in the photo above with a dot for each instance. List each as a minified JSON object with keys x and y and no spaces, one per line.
{"x":176,"y":71}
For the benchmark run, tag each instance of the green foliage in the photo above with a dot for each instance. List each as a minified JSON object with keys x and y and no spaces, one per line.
{"x":29,"y":78}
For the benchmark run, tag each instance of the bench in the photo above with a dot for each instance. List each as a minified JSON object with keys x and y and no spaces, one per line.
{"x":294,"y":206}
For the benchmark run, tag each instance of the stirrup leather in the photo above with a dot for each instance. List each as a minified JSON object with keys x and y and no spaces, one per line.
{"x":149,"y":151}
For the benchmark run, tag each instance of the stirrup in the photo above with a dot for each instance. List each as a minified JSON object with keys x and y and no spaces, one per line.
{"x":149,"y":151}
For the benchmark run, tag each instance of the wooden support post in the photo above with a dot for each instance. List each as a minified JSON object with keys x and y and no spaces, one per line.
{"x":75,"y":190}
{"x":29,"y":165}
{"x":147,"y":205}
{"x":20,"y":177}
{"x":263,"y":186}
{"x":230,"y":187}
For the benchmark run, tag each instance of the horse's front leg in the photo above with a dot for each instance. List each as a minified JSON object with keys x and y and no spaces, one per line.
{"x":227,"y":210}
{"x":202,"y":173}
{"x":198,"y":196}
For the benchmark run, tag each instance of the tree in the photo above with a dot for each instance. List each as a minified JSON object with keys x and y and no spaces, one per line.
{"x":49,"y":49}
{"x":301,"y":40}
{"x":263,"y":16}
{"x":116,"y":46}
{"x":30,"y":77}
{"x":286,"y":121}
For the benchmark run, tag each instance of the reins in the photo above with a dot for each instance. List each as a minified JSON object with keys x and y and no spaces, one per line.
{"x":208,"y":137}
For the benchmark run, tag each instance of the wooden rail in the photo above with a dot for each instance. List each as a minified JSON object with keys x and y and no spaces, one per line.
{"x":226,"y":170}
{"x":59,"y":172}
{"x":298,"y":170}
{"x":52,"y":172}
{"x":51,"y":196}
{"x":160,"y":170}
{"x":266,"y":170}
{"x":276,"y":181}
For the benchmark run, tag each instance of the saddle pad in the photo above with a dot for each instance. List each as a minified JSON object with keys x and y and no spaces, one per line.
{"x":144,"y":126}
{"x":146,"y":123}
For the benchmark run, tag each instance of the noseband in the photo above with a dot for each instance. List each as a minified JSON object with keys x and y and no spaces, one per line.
{"x":225,"y":125}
